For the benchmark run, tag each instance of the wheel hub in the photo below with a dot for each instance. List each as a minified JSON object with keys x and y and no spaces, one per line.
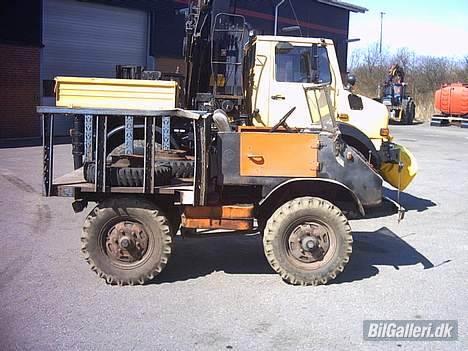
{"x":309,"y":242}
{"x":126,"y":242}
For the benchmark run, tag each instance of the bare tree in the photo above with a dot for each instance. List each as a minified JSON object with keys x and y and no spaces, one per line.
{"x":370,"y":68}
{"x":424,"y":74}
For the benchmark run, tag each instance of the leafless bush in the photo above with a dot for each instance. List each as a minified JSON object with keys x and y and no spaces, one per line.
{"x":424,"y":74}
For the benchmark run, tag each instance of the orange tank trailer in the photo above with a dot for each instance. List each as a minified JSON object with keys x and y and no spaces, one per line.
{"x":452,"y":99}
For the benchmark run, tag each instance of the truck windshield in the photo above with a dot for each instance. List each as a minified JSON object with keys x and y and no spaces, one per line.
{"x":302,"y":64}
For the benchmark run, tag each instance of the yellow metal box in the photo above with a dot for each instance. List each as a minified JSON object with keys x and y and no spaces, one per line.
{"x":115,"y":93}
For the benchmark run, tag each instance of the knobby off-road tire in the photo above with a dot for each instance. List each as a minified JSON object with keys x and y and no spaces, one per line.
{"x":138,"y":147}
{"x":136,"y":219}
{"x":295,"y":218}
{"x":409,"y":113}
{"x":130,"y":176}
{"x":174,"y":216}
{"x":180,"y":168}
{"x":412,"y":113}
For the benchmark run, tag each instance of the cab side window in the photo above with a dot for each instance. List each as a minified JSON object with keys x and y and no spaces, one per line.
{"x":324,"y":74}
{"x":302,"y":64}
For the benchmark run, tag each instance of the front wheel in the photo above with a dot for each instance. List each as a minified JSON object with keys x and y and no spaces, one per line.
{"x":308,"y":241}
{"x":126,"y":241}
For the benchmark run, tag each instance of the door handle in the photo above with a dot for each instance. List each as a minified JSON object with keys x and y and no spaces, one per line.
{"x":257,"y":159}
{"x":278,"y":97}
{"x":254,"y":156}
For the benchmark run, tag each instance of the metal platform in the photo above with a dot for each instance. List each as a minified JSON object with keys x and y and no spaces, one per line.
{"x":93,"y":148}
{"x":66,"y":185}
{"x":177,"y":112}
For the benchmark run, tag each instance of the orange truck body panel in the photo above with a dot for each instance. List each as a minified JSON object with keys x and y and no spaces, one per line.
{"x":214,"y":223}
{"x":279,"y":154}
{"x":452,"y":99}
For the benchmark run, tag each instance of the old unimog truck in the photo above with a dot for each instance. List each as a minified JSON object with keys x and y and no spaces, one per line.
{"x":257,"y":145}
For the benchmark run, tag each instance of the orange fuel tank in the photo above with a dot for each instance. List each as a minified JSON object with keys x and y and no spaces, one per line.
{"x":452,"y":99}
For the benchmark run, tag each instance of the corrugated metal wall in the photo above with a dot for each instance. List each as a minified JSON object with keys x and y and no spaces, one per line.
{"x":88,"y":40}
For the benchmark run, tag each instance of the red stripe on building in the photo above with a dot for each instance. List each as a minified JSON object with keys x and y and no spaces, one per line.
{"x":290,"y":21}
{"x":285,"y":20}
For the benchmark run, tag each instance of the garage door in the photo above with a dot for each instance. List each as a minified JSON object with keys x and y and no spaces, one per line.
{"x":88,"y":40}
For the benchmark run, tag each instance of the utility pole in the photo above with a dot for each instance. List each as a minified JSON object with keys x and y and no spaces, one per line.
{"x":381,"y":30}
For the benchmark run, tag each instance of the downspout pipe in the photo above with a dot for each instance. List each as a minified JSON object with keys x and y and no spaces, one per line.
{"x":276,"y":16}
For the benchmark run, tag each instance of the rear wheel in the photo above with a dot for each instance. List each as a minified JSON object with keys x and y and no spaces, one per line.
{"x":126,"y":241}
{"x":412,"y":109}
{"x":408,"y":112}
{"x":308,"y":241}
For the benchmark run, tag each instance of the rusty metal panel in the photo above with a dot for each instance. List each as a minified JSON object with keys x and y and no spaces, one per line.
{"x":279,"y":154}
{"x":207,"y":223}
{"x":220,"y":212}
{"x":235,"y":217}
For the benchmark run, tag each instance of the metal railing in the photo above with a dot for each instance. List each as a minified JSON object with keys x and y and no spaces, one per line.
{"x":94,"y":138}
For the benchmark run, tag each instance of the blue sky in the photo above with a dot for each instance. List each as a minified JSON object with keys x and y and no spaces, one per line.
{"x":431,"y":27}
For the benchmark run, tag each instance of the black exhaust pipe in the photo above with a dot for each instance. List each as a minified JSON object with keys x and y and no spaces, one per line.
{"x":77,"y":142}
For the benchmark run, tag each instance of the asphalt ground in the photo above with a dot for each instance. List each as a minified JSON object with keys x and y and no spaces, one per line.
{"x":220,"y":293}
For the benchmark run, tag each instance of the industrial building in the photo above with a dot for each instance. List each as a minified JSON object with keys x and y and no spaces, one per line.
{"x":42,"y":39}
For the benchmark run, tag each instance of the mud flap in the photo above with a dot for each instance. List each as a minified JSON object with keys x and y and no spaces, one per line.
{"x":392,"y":174}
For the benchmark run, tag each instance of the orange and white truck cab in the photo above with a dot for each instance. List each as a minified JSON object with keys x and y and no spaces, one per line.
{"x":281,"y":67}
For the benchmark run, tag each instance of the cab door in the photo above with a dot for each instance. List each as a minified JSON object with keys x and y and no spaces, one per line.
{"x":296,"y":67}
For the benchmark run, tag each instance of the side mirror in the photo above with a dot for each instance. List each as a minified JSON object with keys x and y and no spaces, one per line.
{"x":351,"y":79}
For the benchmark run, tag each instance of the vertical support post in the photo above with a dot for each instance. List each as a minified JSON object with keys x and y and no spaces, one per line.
{"x":166,"y":133}
{"x":128,"y":135}
{"x":198,"y":163}
{"x":48,"y":153}
{"x":76,"y":134}
{"x":202,"y":142}
{"x":88,"y":138}
{"x":150,"y":140}
{"x":100,"y":159}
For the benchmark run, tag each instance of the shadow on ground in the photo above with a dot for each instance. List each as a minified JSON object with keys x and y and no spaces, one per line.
{"x":198,"y":257}
{"x":410,"y":202}
{"x":30,"y":142}
{"x":380,"y":248}
{"x":415,"y":123}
